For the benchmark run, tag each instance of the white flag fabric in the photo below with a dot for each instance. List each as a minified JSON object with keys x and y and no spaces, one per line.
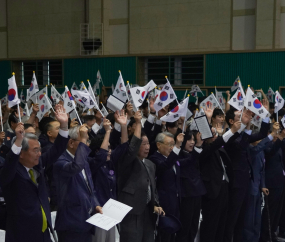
{"x":156,"y":92}
{"x":91,"y":92}
{"x":99,"y":79}
{"x":179,"y":111}
{"x":256,"y":121}
{"x":1,"y":111}
{"x":235,"y":85}
{"x":68,"y":101}
{"x":196,"y":88}
{"x":139,"y":93}
{"x":120,"y":91}
{"x":220,"y":98}
{"x":237,"y":100}
{"x":34,"y":87}
{"x":210,"y":100}
{"x":44,"y":106}
{"x":82,"y":87}
{"x":4,"y":101}
{"x":36,"y":97}
{"x":166,"y":96}
{"x":85,"y":98}
{"x":74,"y":86}
{"x":55,"y":96}
{"x":28,"y":114}
{"x":270,"y":94}
{"x":279,"y":102}
{"x":283,"y":121}
{"x":13,"y":98}
{"x":104,"y":111}
{"x":253,"y":104}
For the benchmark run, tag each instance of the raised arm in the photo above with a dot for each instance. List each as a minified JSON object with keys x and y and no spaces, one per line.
{"x":33,"y":115}
{"x":122,"y":120}
{"x":107,"y":127}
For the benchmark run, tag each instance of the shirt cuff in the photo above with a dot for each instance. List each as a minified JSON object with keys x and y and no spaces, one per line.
{"x":63,"y":133}
{"x":117,"y":127}
{"x":158,"y":122}
{"x":176,"y":150}
{"x":227,"y":135}
{"x":241,"y":128}
{"x":248,"y":131}
{"x":95,"y":128}
{"x":16,"y":150}
{"x":270,"y":137}
{"x":199,"y":150}
{"x":266,"y":120}
{"x":151,"y":118}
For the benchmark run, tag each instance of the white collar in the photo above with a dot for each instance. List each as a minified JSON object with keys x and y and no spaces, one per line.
{"x":70,"y":153}
{"x":161,"y":154}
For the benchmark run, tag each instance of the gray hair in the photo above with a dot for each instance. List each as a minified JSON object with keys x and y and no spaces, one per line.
{"x":73,"y":132}
{"x":25,"y":142}
{"x":160,"y":137}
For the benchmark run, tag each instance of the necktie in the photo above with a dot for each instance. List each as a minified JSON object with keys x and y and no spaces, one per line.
{"x":31,"y":172}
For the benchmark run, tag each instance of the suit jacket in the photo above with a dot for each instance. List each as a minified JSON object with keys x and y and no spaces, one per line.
{"x":24,"y":198}
{"x":211,"y":165}
{"x":134,"y":176}
{"x":239,"y":154}
{"x":168,"y":181}
{"x":274,"y":168}
{"x":76,"y":199}
{"x":104,"y":173}
{"x":258,"y":159}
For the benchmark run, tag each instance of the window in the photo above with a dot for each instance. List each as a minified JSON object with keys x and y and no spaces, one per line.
{"x":180,"y":70}
{"x":47,"y":72}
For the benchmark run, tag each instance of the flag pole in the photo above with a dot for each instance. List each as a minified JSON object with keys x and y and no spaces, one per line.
{"x":19,"y":114}
{"x":219,"y":104}
{"x":48,"y":101}
{"x":73,"y":104}
{"x":242,"y":110}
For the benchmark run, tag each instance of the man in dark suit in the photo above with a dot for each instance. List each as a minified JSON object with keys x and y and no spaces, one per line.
{"x":239,"y":154}
{"x":75,"y":190}
{"x":136,"y":188}
{"x":274,"y":181}
{"x":168,"y":176}
{"x":23,"y":183}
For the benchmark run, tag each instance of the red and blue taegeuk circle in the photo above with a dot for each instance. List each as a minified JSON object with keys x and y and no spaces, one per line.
{"x":11,"y":94}
{"x":41,"y":96}
{"x":143,"y":93}
{"x":163,"y":96}
{"x":43,"y":108}
{"x":208,"y":104}
{"x":257,"y":104}
{"x":174,"y":110}
{"x":31,"y":87}
{"x":236,"y":83}
{"x":239,"y":96}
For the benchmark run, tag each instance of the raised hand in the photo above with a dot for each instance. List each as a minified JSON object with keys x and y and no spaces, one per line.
{"x":209,"y":111}
{"x":36,"y":108}
{"x":246,"y":117}
{"x":107,"y":125}
{"x":265,"y":104}
{"x":19,"y":131}
{"x":2,"y":137}
{"x":61,"y":116}
{"x":199,"y":141}
{"x":138,"y":116}
{"x":151,"y":105}
{"x":121,"y":117}
{"x":219,"y":129}
{"x":236,"y":126}
{"x":83,"y":134}
{"x":130,"y":110}
{"x":73,"y":123}
{"x":179,"y":140}
{"x":275,"y":128}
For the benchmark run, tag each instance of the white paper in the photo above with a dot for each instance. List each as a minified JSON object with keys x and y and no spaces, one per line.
{"x":203,"y":127}
{"x":113,"y":213}
{"x":114,"y":103}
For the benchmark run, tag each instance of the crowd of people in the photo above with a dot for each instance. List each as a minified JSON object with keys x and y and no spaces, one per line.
{"x":176,"y":182}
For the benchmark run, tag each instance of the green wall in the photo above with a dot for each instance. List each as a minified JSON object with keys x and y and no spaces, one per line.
{"x":5,"y":74}
{"x":260,"y":70}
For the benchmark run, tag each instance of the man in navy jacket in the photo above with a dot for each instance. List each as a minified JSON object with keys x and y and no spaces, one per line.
{"x":23,"y":184}
{"x":75,"y":190}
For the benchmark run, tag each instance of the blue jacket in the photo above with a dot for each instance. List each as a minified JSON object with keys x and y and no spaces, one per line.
{"x":23,"y":198}
{"x":258,"y":159}
{"x":274,"y":168}
{"x":168,"y":182}
{"x":104,"y":173}
{"x":76,"y":201}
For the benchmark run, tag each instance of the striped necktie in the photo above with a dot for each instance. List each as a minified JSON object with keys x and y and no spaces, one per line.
{"x":31,"y":172}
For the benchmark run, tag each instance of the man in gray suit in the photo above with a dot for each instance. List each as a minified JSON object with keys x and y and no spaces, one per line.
{"x":136,"y":188}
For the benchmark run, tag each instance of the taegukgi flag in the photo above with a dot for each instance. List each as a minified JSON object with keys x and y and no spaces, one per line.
{"x":279,"y":102}
{"x":166,"y":96}
{"x":179,"y":111}
{"x":34,"y":87}
{"x":120,"y":90}
{"x":139,"y":93}
{"x":253,"y":104}
{"x":13,"y":98}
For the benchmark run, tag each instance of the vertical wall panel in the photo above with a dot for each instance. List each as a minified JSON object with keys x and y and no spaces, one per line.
{"x":5,"y":73}
{"x":260,"y":70}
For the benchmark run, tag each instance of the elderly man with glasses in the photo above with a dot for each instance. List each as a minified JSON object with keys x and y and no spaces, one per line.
{"x":23,"y":183}
{"x":168,"y":175}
